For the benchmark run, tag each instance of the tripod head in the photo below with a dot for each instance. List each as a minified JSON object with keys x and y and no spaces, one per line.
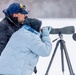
{"x":60,"y":37}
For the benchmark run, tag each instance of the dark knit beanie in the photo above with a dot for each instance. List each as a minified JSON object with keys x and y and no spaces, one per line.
{"x":33,"y":23}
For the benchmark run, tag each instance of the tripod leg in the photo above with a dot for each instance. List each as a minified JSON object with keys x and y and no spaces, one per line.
{"x":62,"y":57}
{"x":68,"y":60}
{"x":52,"y":58}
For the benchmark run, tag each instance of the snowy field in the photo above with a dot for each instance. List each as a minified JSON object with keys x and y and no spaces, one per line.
{"x":70,"y":44}
{"x":71,"y":48}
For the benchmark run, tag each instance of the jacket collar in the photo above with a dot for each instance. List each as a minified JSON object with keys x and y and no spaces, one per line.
{"x":31,"y":29}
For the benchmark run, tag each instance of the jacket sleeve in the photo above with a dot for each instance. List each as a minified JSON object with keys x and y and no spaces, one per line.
{"x":3,"y":37}
{"x":41,"y":46}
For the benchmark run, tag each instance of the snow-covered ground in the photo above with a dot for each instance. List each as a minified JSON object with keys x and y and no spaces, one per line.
{"x":71,"y":48}
{"x":70,"y":44}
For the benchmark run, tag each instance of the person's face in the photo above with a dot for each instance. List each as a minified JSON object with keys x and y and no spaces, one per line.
{"x":21,"y":17}
{"x":40,"y":29}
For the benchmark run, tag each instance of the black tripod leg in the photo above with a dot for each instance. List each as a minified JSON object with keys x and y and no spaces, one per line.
{"x":62,"y":57}
{"x":68,"y":60}
{"x":52,"y":58}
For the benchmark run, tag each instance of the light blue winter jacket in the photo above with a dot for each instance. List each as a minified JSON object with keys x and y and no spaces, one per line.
{"x":22,"y":52}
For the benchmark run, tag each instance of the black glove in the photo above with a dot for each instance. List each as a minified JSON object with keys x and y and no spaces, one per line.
{"x":35,"y":70}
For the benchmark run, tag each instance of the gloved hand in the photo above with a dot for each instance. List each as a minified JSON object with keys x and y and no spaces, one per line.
{"x":35,"y":70}
{"x":46,"y":30}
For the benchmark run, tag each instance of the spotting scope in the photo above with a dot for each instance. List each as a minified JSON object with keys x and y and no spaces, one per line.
{"x":64,"y":30}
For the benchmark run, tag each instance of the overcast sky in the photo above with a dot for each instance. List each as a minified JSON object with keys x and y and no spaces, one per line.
{"x":45,"y":8}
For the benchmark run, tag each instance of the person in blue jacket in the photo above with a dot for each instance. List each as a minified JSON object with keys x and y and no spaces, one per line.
{"x":22,"y":52}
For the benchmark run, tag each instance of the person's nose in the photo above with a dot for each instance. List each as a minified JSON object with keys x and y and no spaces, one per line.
{"x":25,"y":15}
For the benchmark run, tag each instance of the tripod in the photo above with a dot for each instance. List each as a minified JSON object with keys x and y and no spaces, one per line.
{"x":63,"y":48}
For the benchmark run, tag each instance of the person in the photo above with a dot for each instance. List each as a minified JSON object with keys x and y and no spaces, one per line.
{"x":14,"y":17}
{"x":22,"y":51}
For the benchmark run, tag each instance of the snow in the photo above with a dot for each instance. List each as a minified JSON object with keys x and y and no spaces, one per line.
{"x":55,"y":68}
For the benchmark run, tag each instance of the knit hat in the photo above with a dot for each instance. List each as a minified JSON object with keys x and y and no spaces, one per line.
{"x":15,"y":8}
{"x":33,"y":23}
